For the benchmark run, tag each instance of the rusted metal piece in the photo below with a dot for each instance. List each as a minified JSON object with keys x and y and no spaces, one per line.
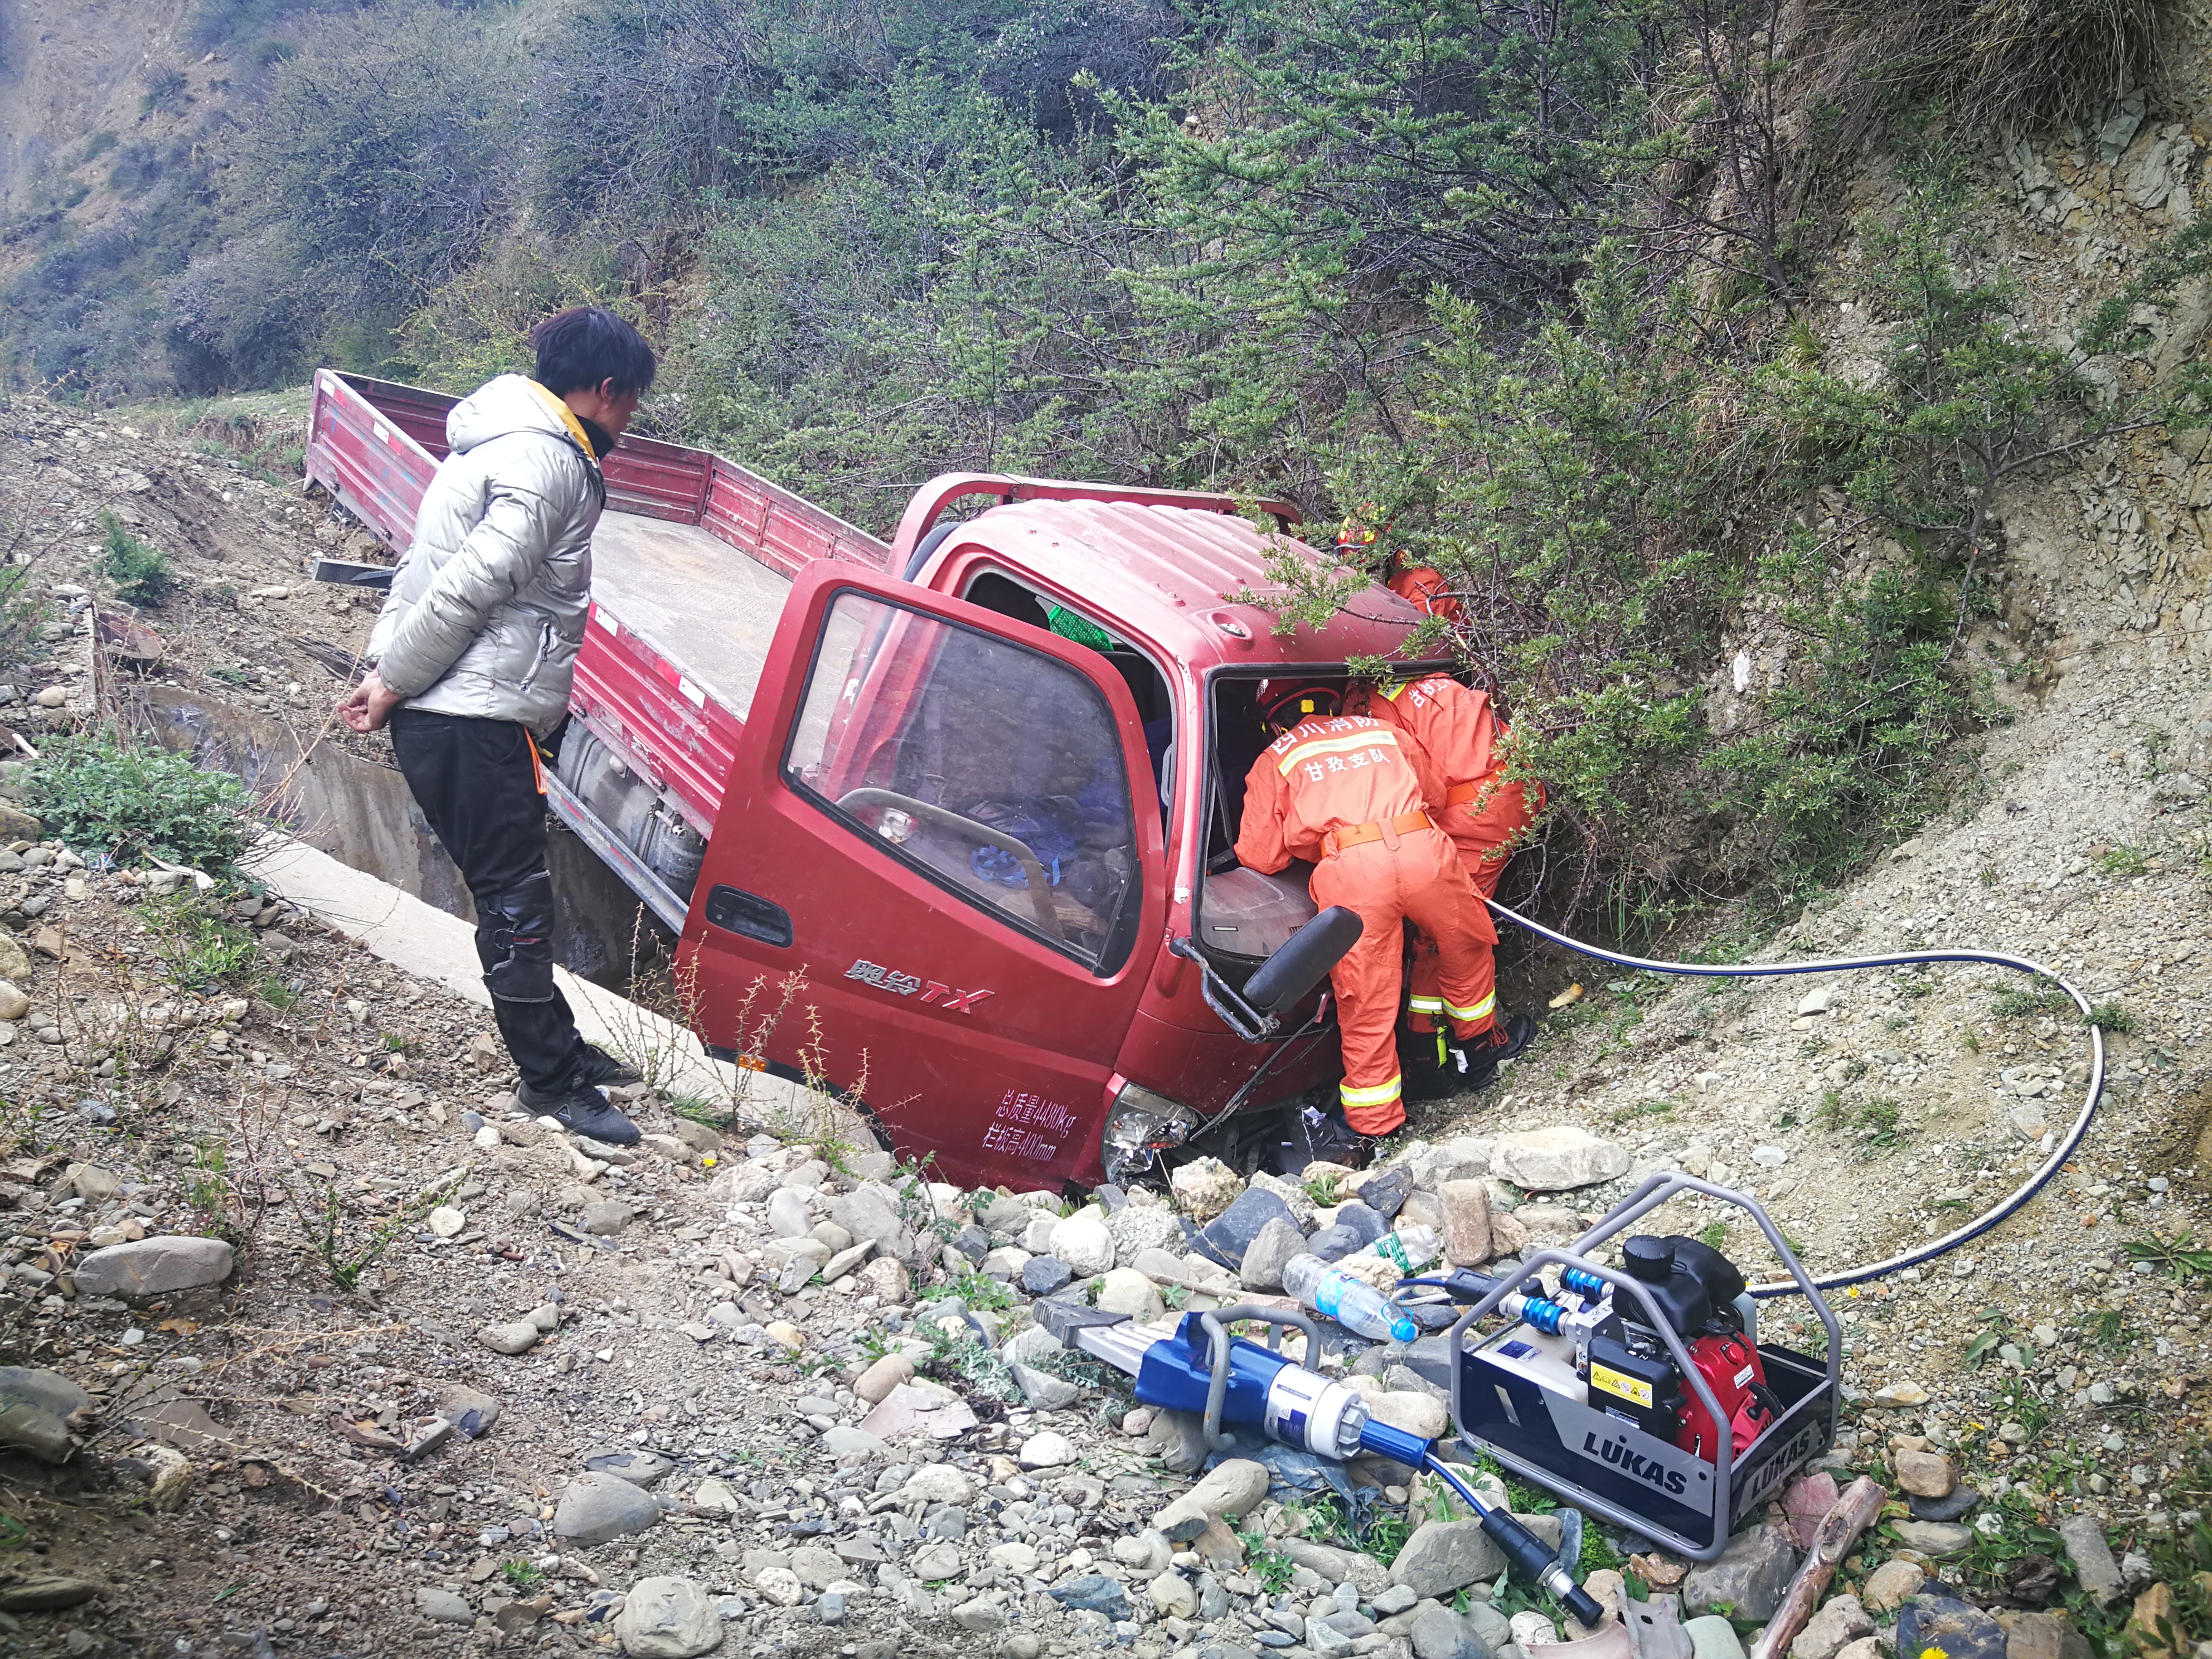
{"x":127,"y":640}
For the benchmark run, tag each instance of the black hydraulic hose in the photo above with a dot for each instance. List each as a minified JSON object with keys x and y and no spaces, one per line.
{"x":2060,"y":1152}
{"x":1522,"y":1548}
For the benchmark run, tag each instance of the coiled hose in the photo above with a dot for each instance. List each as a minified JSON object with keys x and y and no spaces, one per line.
{"x":1951,"y":1241}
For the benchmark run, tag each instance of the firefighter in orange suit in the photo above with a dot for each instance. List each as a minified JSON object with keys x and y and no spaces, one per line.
{"x":1355,"y":795}
{"x":1484,"y":813}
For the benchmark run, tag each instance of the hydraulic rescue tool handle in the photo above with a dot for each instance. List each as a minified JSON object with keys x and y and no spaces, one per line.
{"x":1216,"y":1327}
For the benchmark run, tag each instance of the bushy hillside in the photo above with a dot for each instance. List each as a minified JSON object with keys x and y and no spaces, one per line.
{"x":1550,"y":294}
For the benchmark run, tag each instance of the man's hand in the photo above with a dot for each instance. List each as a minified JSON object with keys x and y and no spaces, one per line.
{"x":368,"y":705}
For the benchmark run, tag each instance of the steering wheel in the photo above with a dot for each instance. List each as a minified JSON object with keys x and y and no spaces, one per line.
{"x":1040,"y":885}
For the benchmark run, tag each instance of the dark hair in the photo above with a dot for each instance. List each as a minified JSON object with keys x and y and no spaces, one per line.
{"x":585,"y":346}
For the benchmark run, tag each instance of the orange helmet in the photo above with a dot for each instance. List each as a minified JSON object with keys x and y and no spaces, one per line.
{"x":1426,"y":590}
{"x":1284,"y":703}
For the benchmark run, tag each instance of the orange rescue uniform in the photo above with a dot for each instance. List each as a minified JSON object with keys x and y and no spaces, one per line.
{"x":1484,"y":812}
{"x":1355,"y":796}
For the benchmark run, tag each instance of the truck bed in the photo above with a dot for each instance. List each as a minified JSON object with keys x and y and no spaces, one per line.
{"x":677,"y":588}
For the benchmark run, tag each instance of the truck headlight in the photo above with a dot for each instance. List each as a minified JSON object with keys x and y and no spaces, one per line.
{"x":1139,"y":1124}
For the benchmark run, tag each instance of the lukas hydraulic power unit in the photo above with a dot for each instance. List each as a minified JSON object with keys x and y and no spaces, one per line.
{"x":1642,"y":1392}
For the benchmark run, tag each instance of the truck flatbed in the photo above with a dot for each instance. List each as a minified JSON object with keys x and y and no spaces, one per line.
{"x":685,"y":594}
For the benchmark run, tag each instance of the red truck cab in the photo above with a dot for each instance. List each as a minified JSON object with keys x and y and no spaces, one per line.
{"x":978,"y":805}
{"x":969,"y":795}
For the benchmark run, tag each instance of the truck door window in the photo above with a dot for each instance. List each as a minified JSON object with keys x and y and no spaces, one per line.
{"x":994,"y":769}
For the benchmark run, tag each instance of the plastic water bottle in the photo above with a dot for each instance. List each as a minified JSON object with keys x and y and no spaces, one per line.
{"x":1360,"y":1309}
{"x":1411,"y":1249}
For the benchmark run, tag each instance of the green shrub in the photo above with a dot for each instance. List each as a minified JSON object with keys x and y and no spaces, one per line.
{"x":101,"y":796}
{"x":141,"y":572}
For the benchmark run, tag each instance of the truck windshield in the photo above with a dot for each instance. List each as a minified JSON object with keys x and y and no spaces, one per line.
{"x":993,"y":769}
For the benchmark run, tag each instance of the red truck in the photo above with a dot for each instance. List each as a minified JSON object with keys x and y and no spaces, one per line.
{"x":978,"y":786}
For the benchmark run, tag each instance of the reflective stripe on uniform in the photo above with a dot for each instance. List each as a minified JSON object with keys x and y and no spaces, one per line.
{"x":1380,"y":1094}
{"x":1427,"y":1004}
{"x":1481,"y":1010}
{"x":1366,"y":739}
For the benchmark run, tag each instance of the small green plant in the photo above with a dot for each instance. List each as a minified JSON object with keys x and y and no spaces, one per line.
{"x":141,"y":572}
{"x":1322,"y":1189}
{"x":2112,"y":1017}
{"x":2122,"y":861}
{"x":2181,"y":1255}
{"x":275,"y":992}
{"x":100,"y":795}
{"x":199,"y":949}
{"x":983,"y":1292}
{"x":1264,"y":1562}
{"x":1714,"y":1236}
{"x":2023,"y":1000}
{"x":1387,"y":1534}
{"x":522,"y":1574}
{"x":324,"y":1218}
{"x":2109,"y":1329}
{"x":209,"y":1193}
{"x":1999,"y":1328}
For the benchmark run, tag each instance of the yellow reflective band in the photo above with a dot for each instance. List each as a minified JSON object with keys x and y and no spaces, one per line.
{"x":1381,"y":1095}
{"x":1391,"y":691}
{"x":1337,"y":745}
{"x":1427,"y":1005}
{"x":1488,"y":1005}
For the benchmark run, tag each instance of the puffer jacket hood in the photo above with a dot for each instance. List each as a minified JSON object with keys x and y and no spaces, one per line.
{"x":487,"y":607}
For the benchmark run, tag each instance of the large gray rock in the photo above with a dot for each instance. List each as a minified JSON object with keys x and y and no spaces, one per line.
{"x":154,"y":1266}
{"x":443,"y":1606}
{"x":668,"y":1619}
{"x":597,"y":1507}
{"x":1491,"y":1628}
{"x":1269,"y":1253}
{"x":1083,"y":1241}
{"x":871,"y":1212}
{"x":1932,"y":1537}
{"x":2094,"y":1565}
{"x":1230,"y":1488}
{"x":35,"y":1406}
{"x":1556,"y":1159}
{"x":1363,"y":1571}
{"x":2042,"y":1636}
{"x":1841,"y":1621}
{"x":1713,"y":1636}
{"x":1440,"y":1633}
{"x":1135,"y":1228}
{"x":1004,"y":1217}
{"x":1748,"y":1579}
{"x":1442,"y":1557}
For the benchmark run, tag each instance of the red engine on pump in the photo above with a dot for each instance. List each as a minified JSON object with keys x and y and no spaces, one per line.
{"x":1733,"y":1370}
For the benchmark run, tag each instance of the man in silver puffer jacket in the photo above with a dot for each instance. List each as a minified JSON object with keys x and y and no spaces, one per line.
{"x":473,"y":659}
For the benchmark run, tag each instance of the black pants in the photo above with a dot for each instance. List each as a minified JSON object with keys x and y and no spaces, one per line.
{"x":477,"y":782}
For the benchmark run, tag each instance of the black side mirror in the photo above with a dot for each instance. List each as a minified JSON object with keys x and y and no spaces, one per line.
{"x":1298,"y":965}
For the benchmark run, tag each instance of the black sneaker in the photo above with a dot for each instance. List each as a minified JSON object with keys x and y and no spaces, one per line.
{"x":1499,"y":1043}
{"x":601,"y":1069}
{"x":582,"y":1111}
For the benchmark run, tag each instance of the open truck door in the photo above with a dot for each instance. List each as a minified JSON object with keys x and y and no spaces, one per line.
{"x":942,"y":820}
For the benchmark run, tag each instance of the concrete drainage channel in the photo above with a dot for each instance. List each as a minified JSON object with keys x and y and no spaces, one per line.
{"x":360,"y":814}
